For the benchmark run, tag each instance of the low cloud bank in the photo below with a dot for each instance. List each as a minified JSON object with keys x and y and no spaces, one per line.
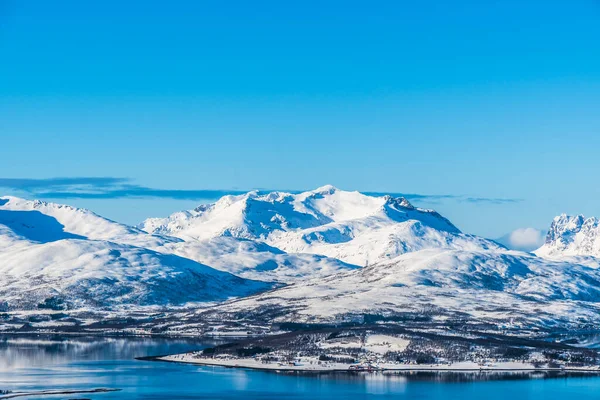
{"x":523,"y":239}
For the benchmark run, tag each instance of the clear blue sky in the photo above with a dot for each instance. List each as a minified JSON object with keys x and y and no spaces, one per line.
{"x":480,"y":99}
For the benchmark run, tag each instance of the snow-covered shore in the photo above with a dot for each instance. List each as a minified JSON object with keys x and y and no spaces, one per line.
{"x":312,"y":364}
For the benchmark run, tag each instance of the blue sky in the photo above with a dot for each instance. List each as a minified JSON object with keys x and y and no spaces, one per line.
{"x":466,"y":102}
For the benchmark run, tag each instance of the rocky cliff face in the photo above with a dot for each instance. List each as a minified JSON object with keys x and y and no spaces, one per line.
{"x":572,"y":236}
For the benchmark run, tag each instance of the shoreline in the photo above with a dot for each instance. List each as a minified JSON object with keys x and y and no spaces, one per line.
{"x":272,"y":367}
{"x":100,"y":334}
{"x":244,"y":364}
{"x":55,"y":392}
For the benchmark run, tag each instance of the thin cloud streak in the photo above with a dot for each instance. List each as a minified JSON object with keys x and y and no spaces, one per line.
{"x":120,"y":188}
{"x":31,"y":184}
{"x":479,"y":200}
{"x":144,"y":192}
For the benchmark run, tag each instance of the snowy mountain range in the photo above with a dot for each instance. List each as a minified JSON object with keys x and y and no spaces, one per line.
{"x":348,"y":226}
{"x":320,"y":255}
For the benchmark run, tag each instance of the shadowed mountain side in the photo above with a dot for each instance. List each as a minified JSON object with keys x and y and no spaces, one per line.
{"x":35,"y":226}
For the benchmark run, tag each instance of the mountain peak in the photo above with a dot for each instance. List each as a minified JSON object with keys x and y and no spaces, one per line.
{"x":353,"y":227}
{"x":326,"y":189}
{"x":572,"y":236}
{"x":398,"y":201}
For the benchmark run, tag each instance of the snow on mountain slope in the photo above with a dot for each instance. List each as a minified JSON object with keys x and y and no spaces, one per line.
{"x":572,"y":236}
{"x":44,"y":222}
{"x":100,"y":274}
{"x":507,"y":288}
{"x":377,"y":242}
{"x":350,"y":226}
{"x":256,"y":260}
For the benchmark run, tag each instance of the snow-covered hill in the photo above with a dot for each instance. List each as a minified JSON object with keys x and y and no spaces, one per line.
{"x":572,"y":236}
{"x":98,"y":274}
{"x":503,"y":288}
{"x":50,"y":252}
{"x":44,"y":222}
{"x":349,"y":226}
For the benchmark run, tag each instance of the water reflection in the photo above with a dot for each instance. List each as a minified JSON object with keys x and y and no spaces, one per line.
{"x":380,"y":383}
{"x":56,"y":362}
{"x":52,"y":351}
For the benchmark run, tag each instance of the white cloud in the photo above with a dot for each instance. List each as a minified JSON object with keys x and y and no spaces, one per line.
{"x":524,"y":239}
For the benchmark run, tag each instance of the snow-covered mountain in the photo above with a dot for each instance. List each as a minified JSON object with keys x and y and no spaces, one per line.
{"x":349,"y":226}
{"x":44,"y":222}
{"x":342,"y":254}
{"x":572,"y":236}
{"x":73,"y":258}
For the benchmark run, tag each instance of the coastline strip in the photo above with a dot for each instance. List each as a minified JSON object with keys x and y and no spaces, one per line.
{"x":459,"y":367}
{"x":56,"y":392}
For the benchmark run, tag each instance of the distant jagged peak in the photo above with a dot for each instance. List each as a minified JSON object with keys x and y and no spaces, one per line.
{"x":564,"y":226}
{"x":572,"y":236}
{"x":568,"y":222}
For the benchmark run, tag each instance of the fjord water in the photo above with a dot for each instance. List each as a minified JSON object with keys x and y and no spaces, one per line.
{"x":37,"y":363}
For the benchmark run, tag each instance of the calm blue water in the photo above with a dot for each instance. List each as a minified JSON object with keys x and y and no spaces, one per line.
{"x":57,"y":363}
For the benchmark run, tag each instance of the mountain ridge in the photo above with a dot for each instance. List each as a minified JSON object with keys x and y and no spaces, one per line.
{"x":325,"y":221}
{"x":335,"y":255}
